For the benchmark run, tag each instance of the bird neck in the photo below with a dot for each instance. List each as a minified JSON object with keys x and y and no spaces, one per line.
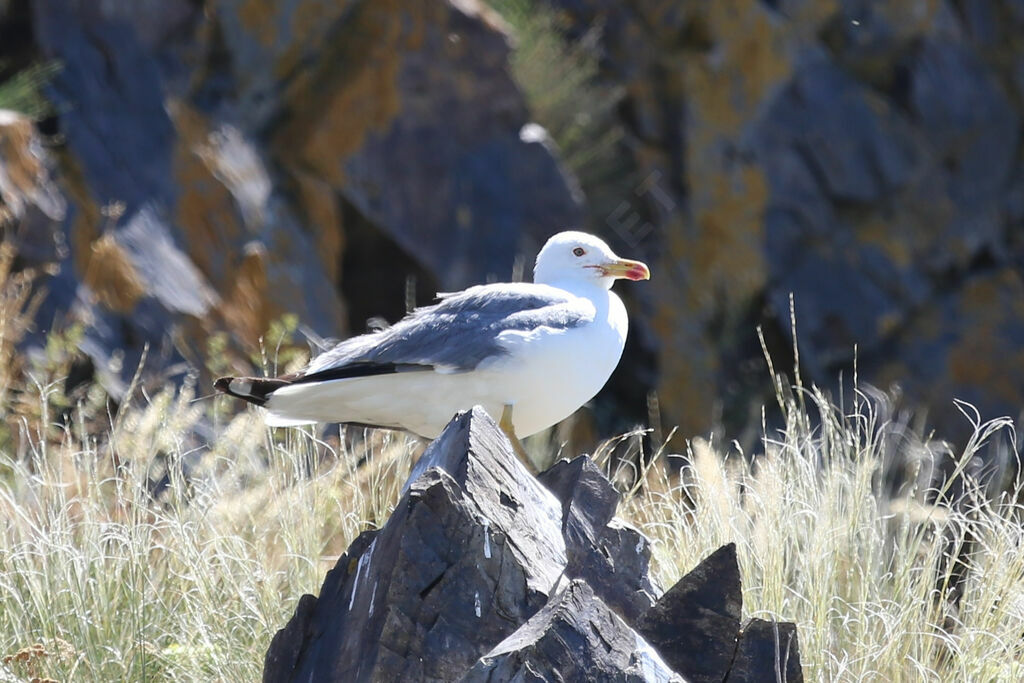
{"x":595,"y":290}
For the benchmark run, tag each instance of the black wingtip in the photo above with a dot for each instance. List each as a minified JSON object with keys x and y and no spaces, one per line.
{"x":252,"y":389}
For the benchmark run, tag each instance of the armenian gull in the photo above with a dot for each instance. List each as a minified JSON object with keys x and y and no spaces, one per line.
{"x":529,"y":353}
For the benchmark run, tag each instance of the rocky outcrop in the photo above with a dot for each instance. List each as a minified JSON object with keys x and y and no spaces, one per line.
{"x":865,"y":157}
{"x":484,"y":573}
{"x":217,"y":158}
{"x":215,"y":164}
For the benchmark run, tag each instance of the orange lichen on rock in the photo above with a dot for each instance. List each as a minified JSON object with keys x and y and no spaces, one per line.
{"x":727,"y":249}
{"x":723,"y":270}
{"x":19,"y":168}
{"x":205,"y":210}
{"x":24,"y":178}
{"x":721,"y":245}
{"x":259,"y":18}
{"x":245,"y":305}
{"x":738,"y":55}
{"x":751,"y":58}
{"x":353,"y":92}
{"x":893,"y":243}
{"x":87,"y":222}
{"x":112,"y":276}
{"x":983,"y":356}
{"x":302,"y":28}
{"x":319,"y":204}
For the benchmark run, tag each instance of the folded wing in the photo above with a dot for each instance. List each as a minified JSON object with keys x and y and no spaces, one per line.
{"x":455,"y":335}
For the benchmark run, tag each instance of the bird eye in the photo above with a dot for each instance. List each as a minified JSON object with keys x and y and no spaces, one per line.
{"x":579,"y":251}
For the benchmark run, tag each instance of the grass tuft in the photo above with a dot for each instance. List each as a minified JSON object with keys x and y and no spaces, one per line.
{"x":882,"y":586}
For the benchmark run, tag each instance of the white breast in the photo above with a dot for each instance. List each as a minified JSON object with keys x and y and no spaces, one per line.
{"x":548,"y":374}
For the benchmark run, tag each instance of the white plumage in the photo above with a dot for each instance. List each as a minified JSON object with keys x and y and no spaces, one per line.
{"x":542,"y":349}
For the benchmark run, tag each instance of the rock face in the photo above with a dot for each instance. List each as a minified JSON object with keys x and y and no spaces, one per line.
{"x":863,"y":156}
{"x":484,"y":573}
{"x":215,"y":158}
{"x":215,"y":164}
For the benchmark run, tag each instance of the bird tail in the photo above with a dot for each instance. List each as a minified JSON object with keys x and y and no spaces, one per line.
{"x":256,"y":390}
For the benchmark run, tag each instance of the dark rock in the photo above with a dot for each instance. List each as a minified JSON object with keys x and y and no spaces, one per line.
{"x":481,"y":574}
{"x":768,"y":651}
{"x":828,"y":142}
{"x":974,"y":334}
{"x":696,"y":623}
{"x":287,"y":645}
{"x":472,"y":551}
{"x":412,"y":116}
{"x":109,"y":99}
{"x":975,"y":133}
{"x":864,"y":156}
{"x":575,"y":637}
{"x":588,"y":498}
{"x":162,"y":202}
{"x":852,"y":140}
{"x":611,"y":556}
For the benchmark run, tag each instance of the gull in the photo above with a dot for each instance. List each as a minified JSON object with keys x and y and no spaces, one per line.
{"x":530,"y":354}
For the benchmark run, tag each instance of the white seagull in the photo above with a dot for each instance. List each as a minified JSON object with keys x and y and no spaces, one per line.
{"x":529,"y":354}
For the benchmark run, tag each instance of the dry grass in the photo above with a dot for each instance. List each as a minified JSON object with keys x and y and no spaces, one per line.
{"x":882,"y":587}
{"x":110,"y":577}
{"x":146,"y":573}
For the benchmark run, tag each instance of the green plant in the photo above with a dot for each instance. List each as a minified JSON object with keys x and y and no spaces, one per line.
{"x":22,"y":92}
{"x":562,"y":84}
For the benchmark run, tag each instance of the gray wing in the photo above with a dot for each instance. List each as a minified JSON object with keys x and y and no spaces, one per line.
{"x":456,"y":334}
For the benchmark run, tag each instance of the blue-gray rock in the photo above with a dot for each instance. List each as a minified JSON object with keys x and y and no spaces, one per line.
{"x":612,"y":557}
{"x":768,"y":651}
{"x":216,"y":158}
{"x":472,"y":551}
{"x":574,"y":637}
{"x":695,"y":625}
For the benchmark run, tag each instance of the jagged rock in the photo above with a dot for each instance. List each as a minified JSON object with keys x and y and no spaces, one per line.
{"x":575,"y":637}
{"x":426,"y":169}
{"x":611,"y":556}
{"x":483,"y":574}
{"x":767,"y":651}
{"x":289,"y":643}
{"x":163,"y":201}
{"x":472,"y":551}
{"x":695,"y":624}
{"x":973,"y":332}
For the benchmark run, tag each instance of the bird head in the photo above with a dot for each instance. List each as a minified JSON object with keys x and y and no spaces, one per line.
{"x":579,"y":257}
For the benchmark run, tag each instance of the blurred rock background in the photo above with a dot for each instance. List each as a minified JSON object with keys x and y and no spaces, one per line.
{"x":178,"y":171}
